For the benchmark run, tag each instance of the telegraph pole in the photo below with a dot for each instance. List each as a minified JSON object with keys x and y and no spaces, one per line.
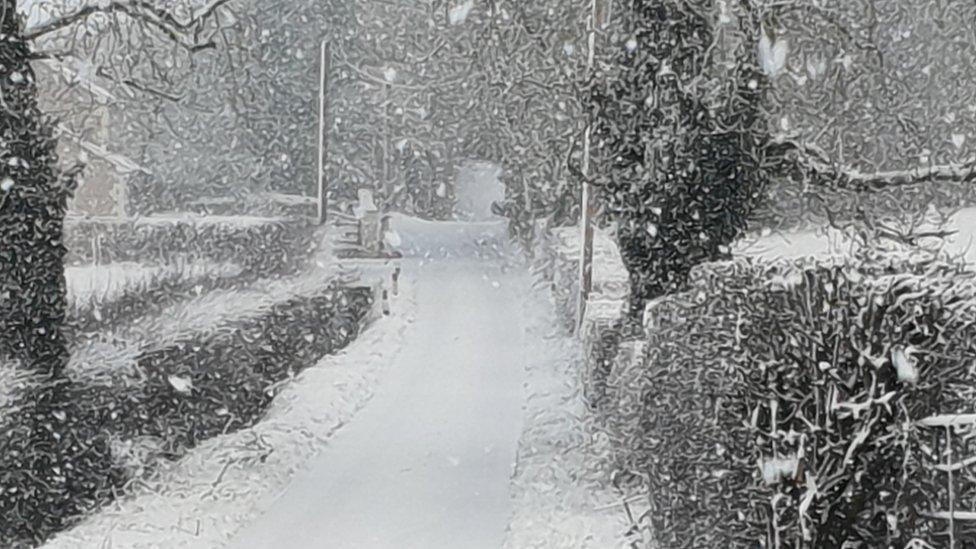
{"x":588,"y":200}
{"x":325,"y":63}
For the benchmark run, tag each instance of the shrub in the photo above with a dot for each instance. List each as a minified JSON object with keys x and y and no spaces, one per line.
{"x":101,"y":296}
{"x":201,"y":385}
{"x":262,"y":246}
{"x":778,"y":402}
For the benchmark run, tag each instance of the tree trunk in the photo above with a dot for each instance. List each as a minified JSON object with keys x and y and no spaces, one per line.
{"x":32,"y":208}
{"x":50,"y":452}
{"x":681,"y":142}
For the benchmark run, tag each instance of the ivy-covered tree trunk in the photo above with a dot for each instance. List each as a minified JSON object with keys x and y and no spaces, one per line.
{"x":679,"y":143}
{"x":32,"y":208}
{"x":48,"y":460}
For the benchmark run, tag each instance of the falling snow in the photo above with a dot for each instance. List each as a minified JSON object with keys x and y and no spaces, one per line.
{"x":280,"y":267}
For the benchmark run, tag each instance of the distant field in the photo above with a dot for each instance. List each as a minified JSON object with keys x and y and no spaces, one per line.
{"x":824,"y":242}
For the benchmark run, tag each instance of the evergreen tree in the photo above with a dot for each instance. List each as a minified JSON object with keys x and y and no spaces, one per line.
{"x":33,"y":196}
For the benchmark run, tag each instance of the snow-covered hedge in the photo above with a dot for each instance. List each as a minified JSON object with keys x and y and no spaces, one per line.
{"x":103,"y":295}
{"x":114,"y":422}
{"x":777,"y":403}
{"x":260,"y":245}
{"x":266,"y":204}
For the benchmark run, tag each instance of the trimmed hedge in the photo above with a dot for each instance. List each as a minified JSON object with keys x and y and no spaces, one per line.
{"x":149,"y":297}
{"x":776,"y":403}
{"x":198,"y":387}
{"x":262,"y":246}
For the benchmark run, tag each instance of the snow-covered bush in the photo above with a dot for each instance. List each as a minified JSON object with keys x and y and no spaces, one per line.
{"x":101,"y":295}
{"x":110,"y":427}
{"x":260,"y":245}
{"x":779,"y":401}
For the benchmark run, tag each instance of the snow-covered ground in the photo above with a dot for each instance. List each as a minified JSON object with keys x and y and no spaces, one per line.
{"x":443,"y":240}
{"x":95,"y":284}
{"x":561,"y":490}
{"x":427,"y":464}
{"x":476,"y":434}
{"x":202,"y":499}
{"x":827,"y":242}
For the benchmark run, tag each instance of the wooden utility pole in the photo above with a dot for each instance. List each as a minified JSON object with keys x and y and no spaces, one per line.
{"x":325,"y":64}
{"x":387,"y":172}
{"x":588,"y":200}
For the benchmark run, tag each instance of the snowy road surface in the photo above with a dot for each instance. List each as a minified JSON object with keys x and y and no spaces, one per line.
{"x":427,"y":464}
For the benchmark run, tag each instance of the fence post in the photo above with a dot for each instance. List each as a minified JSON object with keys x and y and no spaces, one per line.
{"x":325,"y":63}
{"x":97,"y":249}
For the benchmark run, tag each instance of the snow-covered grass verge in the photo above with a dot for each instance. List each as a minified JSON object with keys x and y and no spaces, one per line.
{"x":205,"y":497}
{"x":105,"y":283}
{"x":562,"y":489}
{"x":105,"y":294}
{"x":149,"y":391}
{"x":824,"y":243}
{"x":111,"y":356}
{"x":115,"y":422}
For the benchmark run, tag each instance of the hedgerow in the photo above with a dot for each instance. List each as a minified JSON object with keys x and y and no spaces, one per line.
{"x":777,"y":404}
{"x":103,"y":435}
{"x":260,"y":246}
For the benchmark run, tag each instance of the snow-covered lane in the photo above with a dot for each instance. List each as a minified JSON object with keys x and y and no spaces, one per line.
{"x":427,"y":464}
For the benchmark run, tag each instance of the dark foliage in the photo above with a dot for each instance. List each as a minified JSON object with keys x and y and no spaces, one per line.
{"x":234,"y":371}
{"x":423,"y":190}
{"x":33,"y":200}
{"x":679,"y":145}
{"x":273,"y":246}
{"x":779,"y":403}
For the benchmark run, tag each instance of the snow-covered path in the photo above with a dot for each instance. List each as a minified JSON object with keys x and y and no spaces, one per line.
{"x":427,"y":464}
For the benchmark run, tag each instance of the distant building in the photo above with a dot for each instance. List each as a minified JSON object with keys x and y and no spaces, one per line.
{"x":82,"y":111}
{"x":80,"y":102}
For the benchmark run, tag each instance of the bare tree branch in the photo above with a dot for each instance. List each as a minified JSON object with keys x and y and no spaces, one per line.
{"x":162,"y":20}
{"x":814,"y":163}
